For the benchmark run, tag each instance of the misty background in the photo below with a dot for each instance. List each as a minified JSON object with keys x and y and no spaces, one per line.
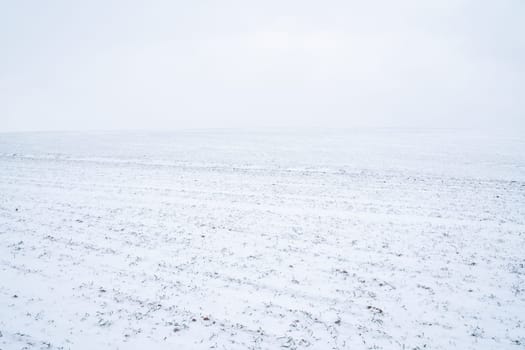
{"x":234,"y":64}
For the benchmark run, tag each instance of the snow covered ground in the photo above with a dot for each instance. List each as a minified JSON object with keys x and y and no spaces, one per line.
{"x":359,"y":239}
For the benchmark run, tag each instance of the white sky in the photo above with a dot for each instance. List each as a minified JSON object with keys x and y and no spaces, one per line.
{"x":72,"y":65}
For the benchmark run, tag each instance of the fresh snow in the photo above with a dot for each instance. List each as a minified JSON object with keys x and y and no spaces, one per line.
{"x":351,"y":239}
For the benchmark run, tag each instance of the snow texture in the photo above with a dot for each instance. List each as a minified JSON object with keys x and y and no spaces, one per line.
{"x":359,"y":239}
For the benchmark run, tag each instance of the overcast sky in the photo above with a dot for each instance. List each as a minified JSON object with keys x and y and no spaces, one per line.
{"x":77,"y":65}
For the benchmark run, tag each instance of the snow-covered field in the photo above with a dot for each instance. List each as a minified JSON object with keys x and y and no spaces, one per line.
{"x":360,"y":239}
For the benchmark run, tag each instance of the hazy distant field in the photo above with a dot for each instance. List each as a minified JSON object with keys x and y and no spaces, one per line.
{"x":361,"y":239}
